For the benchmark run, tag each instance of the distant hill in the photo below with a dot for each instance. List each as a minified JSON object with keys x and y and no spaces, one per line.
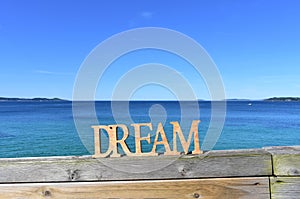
{"x":236,"y":99}
{"x":30,"y":99}
{"x":286,"y":99}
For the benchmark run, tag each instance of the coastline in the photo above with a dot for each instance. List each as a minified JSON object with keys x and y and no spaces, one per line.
{"x":55,"y":99}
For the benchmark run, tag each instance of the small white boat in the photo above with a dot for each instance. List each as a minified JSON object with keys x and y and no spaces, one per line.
{"x":250,"y":104}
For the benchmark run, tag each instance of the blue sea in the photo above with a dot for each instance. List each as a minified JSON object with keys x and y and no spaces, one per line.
{"x":47,"y":128}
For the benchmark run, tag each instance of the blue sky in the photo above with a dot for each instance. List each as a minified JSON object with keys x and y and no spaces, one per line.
{"x":255,"y":44}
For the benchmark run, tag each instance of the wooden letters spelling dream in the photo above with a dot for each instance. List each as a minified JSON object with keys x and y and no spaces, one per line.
{"x":112,"y":131}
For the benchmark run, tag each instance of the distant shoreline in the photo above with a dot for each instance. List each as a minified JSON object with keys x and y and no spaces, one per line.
{"x":41,"y":99}
{"x":285,"y":99}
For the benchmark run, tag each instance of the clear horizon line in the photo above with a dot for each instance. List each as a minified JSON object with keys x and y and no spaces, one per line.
{"x":57,"y":98}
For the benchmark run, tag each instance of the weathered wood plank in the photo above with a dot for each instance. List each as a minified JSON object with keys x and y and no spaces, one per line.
{"x":63,"y":169}
{"x":286,"y":160}
{"x":202,"y":188}
{"x":285,"y":187}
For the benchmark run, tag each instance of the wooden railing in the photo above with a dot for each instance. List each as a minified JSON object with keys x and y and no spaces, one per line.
{"x":272,"y":172}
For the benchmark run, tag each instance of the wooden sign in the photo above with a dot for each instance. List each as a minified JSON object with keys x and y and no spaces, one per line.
{"x":112,"y":131}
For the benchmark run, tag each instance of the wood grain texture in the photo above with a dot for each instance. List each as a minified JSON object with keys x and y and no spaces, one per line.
{"x":285,"y":187}
{"x":205,"y":188}
{"x":286,"y":160}
{"x":64,"y":169}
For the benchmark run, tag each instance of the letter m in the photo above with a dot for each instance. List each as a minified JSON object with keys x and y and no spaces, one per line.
{"x":186,"y":144}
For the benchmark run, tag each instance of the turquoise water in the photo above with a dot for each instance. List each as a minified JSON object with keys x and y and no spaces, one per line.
{"x":31,"y":129}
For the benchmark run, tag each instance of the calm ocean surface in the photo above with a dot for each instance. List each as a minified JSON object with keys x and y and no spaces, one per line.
{"x":31,"y":129}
